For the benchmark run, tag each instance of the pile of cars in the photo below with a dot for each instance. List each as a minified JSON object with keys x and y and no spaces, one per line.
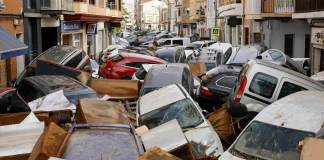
{"x":134,"y":98}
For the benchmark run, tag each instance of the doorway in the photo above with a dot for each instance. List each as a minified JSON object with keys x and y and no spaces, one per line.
{"x":289,"y":44}
{"x":307,"y":45}
{"x":49,"y":37}
{"x":322,"y":60}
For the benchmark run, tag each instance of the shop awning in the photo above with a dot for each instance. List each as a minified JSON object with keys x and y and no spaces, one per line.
{"x":10,"y":46}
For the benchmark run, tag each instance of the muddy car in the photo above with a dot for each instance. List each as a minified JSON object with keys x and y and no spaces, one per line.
{"x":114,"y":141}
{"x":35,"y":87}
{"x":174,"y":102}
{"x":276,"y":131}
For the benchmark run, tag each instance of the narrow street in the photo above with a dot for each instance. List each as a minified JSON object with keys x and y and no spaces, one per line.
{"x":161,"y":80}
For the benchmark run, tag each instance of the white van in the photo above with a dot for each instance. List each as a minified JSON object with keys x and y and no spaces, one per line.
{"x":263,"y":82}
{"x":177,"y":41}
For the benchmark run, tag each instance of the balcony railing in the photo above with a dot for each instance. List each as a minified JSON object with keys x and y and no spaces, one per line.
{"x":57,"y":5}
{"x":278,"y":6}
{"x":111,"y":5}
{"x":227,"y":2}
{"x":309,"y":6}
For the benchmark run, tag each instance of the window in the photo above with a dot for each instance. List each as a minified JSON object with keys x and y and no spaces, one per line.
{"x":263,"y":85}
{"x":93,"y":2}
{"x":74,"y":61}
{"x":77,"y":40}
{"x":178,"y":42}
{"x":227,"y":82}
{"x":177,"y":56}
{"x":116,"y":58}
{"x":31,"y":4}
{"x":277,"y":56}
{"x":289,"y":88}
{"x":134,"y":64}
{"x":227,"y":55}
{"x":167,"y":42}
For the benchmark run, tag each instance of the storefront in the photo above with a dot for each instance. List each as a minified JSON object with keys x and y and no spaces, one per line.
{"x":317,"y":57}
{"x":72,"y":34}
{"x":10,"y":47}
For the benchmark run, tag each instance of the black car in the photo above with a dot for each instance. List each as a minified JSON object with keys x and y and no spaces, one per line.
{"x":165,"y":74}
{"x":217,"y":84}
{"x":35,"y":87}
{"x":172,"y":54}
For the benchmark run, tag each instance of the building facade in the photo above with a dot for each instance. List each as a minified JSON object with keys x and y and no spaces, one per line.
{"x":151,"y":14}
{"x":86,"y":24}
{"x":11,"y":20}
{"x":313,"y":13}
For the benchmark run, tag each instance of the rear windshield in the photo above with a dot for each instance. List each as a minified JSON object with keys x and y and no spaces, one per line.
{"x":244,"y":54}
{"x":56,"y":54}
{"x":116,"y":58}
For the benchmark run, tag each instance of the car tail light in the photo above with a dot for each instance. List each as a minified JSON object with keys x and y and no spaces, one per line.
{"x":241,"y":90}
{"x":205,"y":91}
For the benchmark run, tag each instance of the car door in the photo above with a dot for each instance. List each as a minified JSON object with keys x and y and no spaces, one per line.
{"x":289,"y":86}
{"x":261,"y":90}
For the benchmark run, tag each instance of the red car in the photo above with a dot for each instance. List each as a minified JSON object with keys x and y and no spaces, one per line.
{"x":124,"y":65}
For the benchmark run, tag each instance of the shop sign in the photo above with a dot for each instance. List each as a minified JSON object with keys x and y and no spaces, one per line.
{"x":318,"y":36}
{"x":71,"y":26}
{"x":92,"y":28}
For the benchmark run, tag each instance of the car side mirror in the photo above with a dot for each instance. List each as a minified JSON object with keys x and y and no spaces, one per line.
{"x":306,"y":68}
{"x":205,"y":113}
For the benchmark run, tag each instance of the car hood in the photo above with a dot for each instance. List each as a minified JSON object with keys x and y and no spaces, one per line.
{"x":228,"y":156}
{"x":206,"y":136}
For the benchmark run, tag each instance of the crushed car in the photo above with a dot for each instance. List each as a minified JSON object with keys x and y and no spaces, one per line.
{"x":174,"y":102}
{"x":277,"y":130}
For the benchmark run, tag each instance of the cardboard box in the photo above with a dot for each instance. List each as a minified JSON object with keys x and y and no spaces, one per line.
{"x":94,"y":111}
{"x":312,"y":149}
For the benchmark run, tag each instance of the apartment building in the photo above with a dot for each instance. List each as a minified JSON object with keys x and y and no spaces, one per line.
{"x":312,"y":11}
{"x":151,"y":14}
{"x":230,"y":20}
{"x":91,"y":25}
{"x":270,"y":23}
{"x":12,"y":49}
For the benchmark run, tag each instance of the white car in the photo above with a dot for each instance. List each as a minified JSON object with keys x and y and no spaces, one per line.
{"x":174,"y":102}
{"x":276,"y":131}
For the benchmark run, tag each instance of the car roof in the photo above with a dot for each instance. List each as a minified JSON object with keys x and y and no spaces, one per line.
{"x":284,"y":69}
{"x":141,"y":56}
{"x":166,"y":95}
{"x":220,"y":46}
{"x":223,"y":69}
{"x":164,"y":74}
{"x":301,"y":111}
{"x":50,"y":83}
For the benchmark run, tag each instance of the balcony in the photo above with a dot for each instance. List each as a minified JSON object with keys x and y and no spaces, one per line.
{"x":228,"y":2}
{"x":278,"y":8}
{"x":57,"y":7}
{"x":303,"y":6}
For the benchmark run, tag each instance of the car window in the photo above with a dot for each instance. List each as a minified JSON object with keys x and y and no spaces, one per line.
{"x":227,"y":55}
{"x":289,"y":88}
{"x":29,"y":92}
{"x":183,"y":57}
{"x":277,"y":56}
{"x":184,"y":111}
{"x":116,"y":58}
{"x":141,"y":73}
{"x":167,"y":42}
{"x":134,"y":64}
{"x":263,"y":85}
{"x":74,"y":61}
{"x":178,"y":42}
{"x":227,"y":82}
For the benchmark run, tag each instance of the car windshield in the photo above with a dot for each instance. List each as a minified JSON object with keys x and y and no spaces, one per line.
{"x":194,"y":46}
{"x":265,"y":141}
{"x":140,"y":74}
{"x":244,"y":54}
{"x":116,"y":58}
{"x":184,"y":111}
{"x":57,"y":54}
